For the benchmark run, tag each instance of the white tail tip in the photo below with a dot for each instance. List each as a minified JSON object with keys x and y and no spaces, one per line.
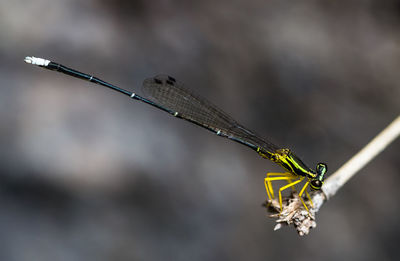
{"x":36,"y":61}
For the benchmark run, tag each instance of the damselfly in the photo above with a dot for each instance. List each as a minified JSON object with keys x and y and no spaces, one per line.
{"x":169,"y":95}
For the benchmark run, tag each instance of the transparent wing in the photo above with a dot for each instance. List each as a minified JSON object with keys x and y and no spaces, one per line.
{"x":171,"y":94}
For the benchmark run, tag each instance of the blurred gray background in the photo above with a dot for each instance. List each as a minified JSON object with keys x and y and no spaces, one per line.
{"x":88,"y":174}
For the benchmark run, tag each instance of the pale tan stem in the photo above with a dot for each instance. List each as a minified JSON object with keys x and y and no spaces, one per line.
{"x":358,"y":161}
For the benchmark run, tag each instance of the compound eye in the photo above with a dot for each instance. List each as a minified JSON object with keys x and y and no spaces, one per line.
{"x":316,"y":184}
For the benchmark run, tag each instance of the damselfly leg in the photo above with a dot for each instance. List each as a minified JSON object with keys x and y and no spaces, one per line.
{"x":292,"y":181}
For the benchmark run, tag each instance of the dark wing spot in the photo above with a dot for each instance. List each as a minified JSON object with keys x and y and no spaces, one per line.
{"x":172,"y":79}
{"x":157,"y":81}
{"x":170,"y":82}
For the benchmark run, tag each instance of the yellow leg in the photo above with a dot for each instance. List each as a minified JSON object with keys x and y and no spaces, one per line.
{"x":308,"y":196}
{"x":268,"y":184}
{"x":287,"y":186}
{"x":267,"y":188}
{"x":309,"y":199}
{"x":276,"y":174}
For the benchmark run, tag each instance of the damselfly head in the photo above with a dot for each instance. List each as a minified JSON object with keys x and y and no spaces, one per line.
{"x":321,"y":169}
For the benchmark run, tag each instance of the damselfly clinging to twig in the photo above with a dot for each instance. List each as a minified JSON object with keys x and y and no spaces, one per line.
{"x":169,"y":95}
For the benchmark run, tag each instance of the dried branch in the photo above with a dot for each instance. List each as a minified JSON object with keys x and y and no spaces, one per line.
{"x":293,"y":211}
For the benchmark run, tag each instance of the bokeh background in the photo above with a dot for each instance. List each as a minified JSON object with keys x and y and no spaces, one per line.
{"x":88,"y":174}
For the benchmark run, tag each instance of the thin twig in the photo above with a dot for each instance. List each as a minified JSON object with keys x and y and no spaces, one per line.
{"x":358,"y":161}
{"x":294,"y":213}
